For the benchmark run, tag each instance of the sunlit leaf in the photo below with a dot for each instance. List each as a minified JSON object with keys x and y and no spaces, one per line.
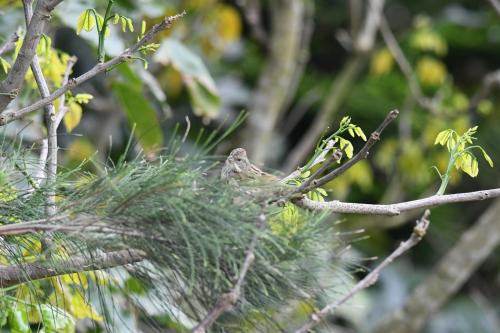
{"x":139,"y":112}
{"x":73,"y":116}
{"x":201,"y":87}
{"x":86,"y":21}
{"x":56,"y":320}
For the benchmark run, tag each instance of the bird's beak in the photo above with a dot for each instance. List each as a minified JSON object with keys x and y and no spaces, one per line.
{"x":237,"y":168}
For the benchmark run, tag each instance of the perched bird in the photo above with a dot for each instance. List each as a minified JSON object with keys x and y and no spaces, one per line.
{"x":239,"y":167}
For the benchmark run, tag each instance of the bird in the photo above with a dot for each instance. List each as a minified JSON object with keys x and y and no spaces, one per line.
{"x":238,"y":167}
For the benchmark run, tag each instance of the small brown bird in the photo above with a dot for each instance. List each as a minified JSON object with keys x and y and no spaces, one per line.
{"x":239,"y":167}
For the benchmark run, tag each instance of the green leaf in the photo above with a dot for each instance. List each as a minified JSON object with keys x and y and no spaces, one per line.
{"x":139,"y":112}
{"x":360,"y":133}
{"x":86,"y":21}
{"x":204,"y":103}
{"x":487,"y":157}
{"x":56,"y":320}
{"x":5,"y":65}
{"x":195,"y":75}
{"x":18,"y":321}
{"x":73,"y":116}
{"x":442,"y":137}
{"x":83,"y":98}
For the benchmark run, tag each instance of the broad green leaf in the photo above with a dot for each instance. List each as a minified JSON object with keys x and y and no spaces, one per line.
{"x":139,"y":112}
{"x":56,"y":320}
{"x":86,"y":21}
{"x":81,"y":309}
{"x":204,"y":103}
{"x":18,"y":321}
{"x":442,"y":137}
{"x":73,"y":116}
{"x":201,"y":87}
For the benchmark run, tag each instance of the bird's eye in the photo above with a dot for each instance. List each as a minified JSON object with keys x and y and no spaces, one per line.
{"x":239,"y":159}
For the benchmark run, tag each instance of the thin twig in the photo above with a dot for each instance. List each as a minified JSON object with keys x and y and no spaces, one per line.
{"x":228,"y":300}
{"x":416,"y":236}
{"x":447,"y":277}
{"x":9,"y":116}
{"x":405,"y":67}
{"x":15,"y":274}
{"x":10,"y":43}
{"x":489,"y":81}
{"x":397,"y":208}
{"x":336,"y":156}
{"x":62,"y":107}
{"x":362,"y":154}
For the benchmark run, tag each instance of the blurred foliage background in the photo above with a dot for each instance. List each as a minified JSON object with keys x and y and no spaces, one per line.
{"x":294,"y":66}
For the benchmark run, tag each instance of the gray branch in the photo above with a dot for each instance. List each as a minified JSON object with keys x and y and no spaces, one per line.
{"x":416,"y":236}
{"x":447,"y":277}
{"x":9,"y":116}
{"x":10,"y":87}
{"x":397,"y":208}
{"x":15,"y":274}
{"x":9,"y":44}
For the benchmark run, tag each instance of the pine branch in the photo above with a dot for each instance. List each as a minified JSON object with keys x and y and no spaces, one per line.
{"x":227,"y":301}
{"x":9,"y":116}
{"x":416,"y":236}
{"x":15,"y":274}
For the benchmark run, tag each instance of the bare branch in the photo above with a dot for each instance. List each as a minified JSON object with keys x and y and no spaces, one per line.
{"x":50,"y":113}
{"x":277,"y":77}
{"x":15,"y":274}
{"x":362,"y":154}
{"x":397,"y":208}
{"x":447,"y":277}
{"x":62,"y":107}
{"x":496,"y":5}
{"x":404,"y":65}
{"x":9,"y":44}
{"x":416,"y":236}
{"x":126,"y":55}
{"x":366,"y":38}
{"x":228,"y":300}
{"x":490,"y":80}
{"x":10,"y":87}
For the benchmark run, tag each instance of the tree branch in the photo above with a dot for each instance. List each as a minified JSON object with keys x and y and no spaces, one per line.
{"x":50,"y":113}
{"x":397,"y":208}
{"x":496,"y":5}
{"x":12,"y":275}
{"x":9,"y":44}
{"x":9,"y":116}
{"x":62,"y":108}
{"x":228,"y":300}
{"x":418,"y":233}
{"x":10,"y":87}
{"x":447,"y":277}
{"x":276,"y":79}
{"x":405,"y":67}
{"x":362,"y":154}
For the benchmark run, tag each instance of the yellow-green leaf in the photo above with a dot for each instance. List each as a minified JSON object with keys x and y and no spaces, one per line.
{"x":5,"y":65}
{"x":86,"y":21}
{"x":73,"y":116}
